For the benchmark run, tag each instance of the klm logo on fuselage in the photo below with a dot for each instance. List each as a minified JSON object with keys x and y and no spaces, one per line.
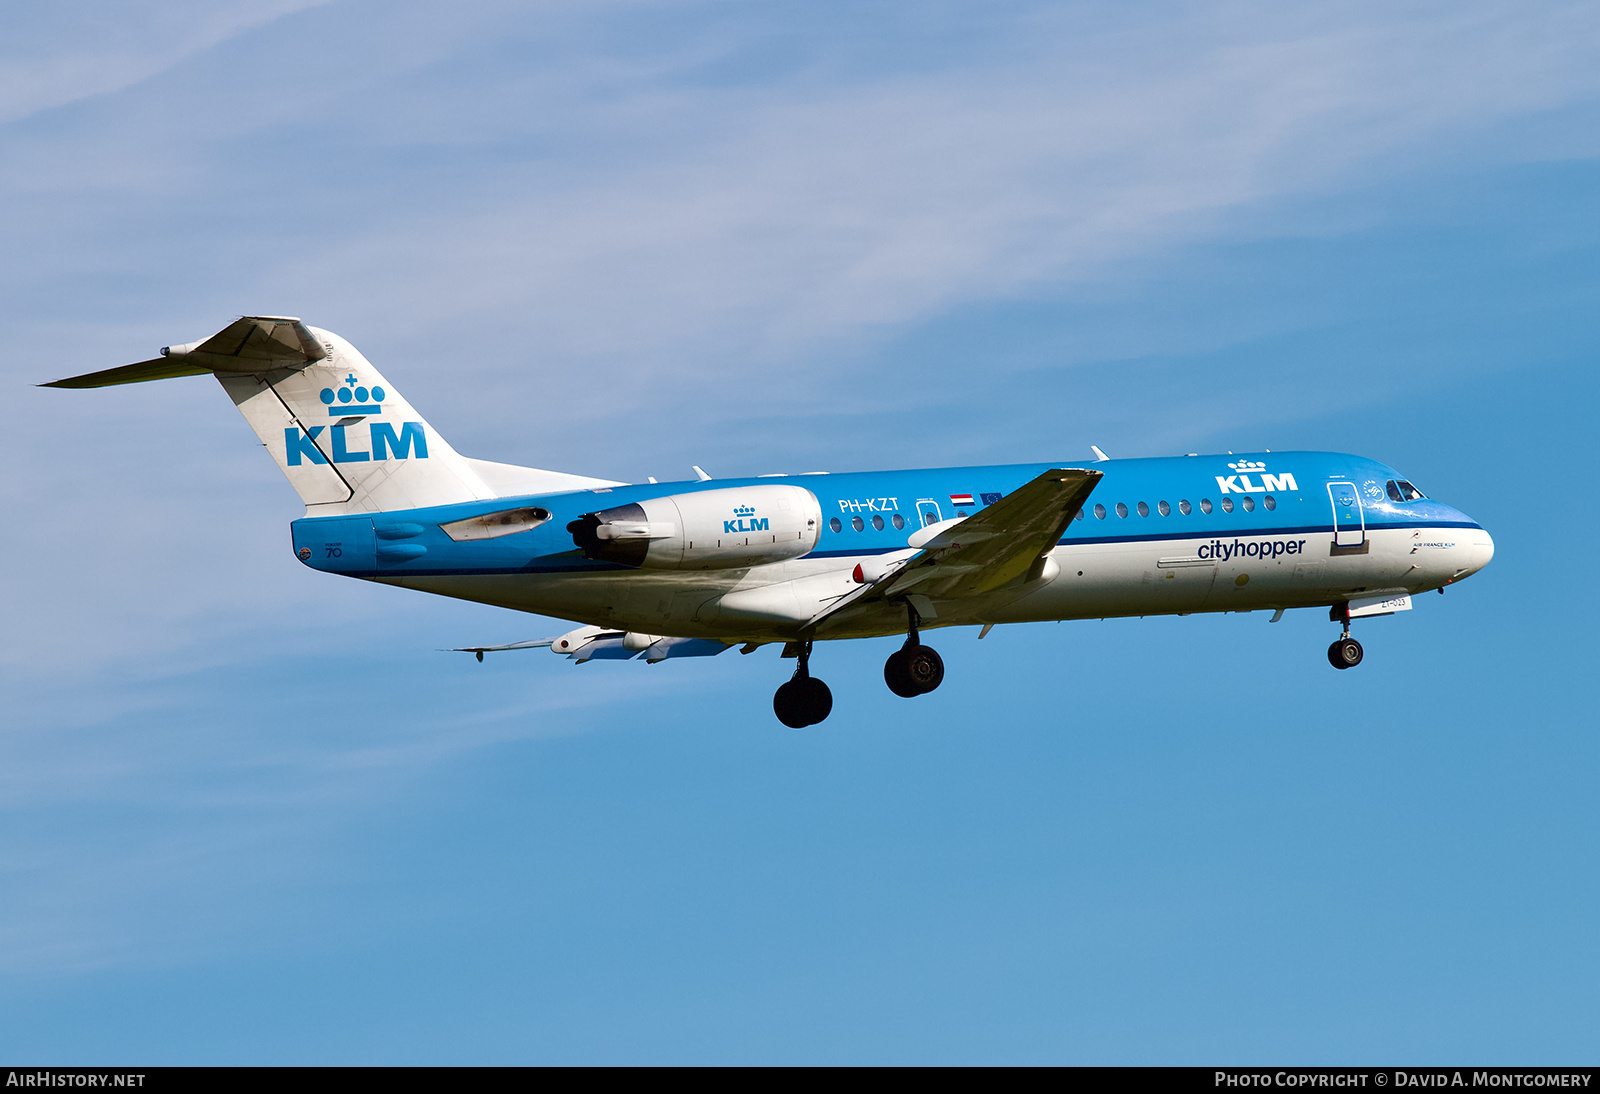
{"x":745,"y":520}
{"x":1240,"y":483}
{"x":382,"y":441}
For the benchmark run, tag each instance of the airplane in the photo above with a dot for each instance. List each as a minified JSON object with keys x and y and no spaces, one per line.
{"x":694,"y":568}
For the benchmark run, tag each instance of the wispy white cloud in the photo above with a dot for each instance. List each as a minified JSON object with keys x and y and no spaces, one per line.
{"x":806,"y":210}
{"x":66,"y":52}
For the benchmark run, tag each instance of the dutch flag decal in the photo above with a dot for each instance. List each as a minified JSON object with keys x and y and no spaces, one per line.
{"x":961,"y":499}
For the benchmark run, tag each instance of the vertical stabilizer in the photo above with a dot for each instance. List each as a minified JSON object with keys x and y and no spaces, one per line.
{"x":345,"y":438}
{"x":347,"y":441}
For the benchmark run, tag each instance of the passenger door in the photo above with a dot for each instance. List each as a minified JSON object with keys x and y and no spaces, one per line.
{"x":1349,"y":519}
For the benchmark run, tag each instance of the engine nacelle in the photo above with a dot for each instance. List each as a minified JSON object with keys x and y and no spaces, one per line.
{"x":705,"y":530}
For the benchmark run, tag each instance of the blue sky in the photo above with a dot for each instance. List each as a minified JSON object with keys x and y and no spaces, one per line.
{"x":250,"y":814}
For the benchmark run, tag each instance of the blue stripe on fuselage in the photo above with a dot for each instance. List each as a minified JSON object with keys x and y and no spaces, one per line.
{"x":1304,"y":509}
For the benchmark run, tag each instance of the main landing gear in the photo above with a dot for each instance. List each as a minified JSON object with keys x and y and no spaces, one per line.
{"x":1346,"y":652}
{"x":913,"y":669}
{"x":803,"y":700}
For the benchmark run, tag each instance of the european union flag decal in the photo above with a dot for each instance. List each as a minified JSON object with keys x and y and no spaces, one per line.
{"x":989,"y":499}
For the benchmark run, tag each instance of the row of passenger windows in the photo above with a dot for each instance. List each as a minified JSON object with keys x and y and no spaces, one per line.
{"x":1247,"y":503}
{"x":858,"y":524}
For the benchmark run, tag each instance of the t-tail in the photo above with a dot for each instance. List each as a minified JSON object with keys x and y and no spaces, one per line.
{"x":345,"y":438}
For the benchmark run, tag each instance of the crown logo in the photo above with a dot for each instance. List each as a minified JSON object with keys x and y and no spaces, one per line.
{"x":1245,"y":467}
{"x":351,"y":395}
{"x":744,"y":511}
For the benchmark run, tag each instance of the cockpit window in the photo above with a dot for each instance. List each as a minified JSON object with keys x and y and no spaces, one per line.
{"x":1400,"y":490}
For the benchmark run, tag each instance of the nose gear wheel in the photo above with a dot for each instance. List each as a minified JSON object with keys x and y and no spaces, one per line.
{"x":1345,"y":653}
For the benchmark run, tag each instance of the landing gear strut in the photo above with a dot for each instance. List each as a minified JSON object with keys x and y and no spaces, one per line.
{"x":913,"y":669}
{"x":1346,"y":652}
{"x":803,"y":700}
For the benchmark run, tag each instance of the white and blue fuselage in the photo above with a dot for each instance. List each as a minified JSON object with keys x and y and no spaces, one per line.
{"x":1158,"y":536}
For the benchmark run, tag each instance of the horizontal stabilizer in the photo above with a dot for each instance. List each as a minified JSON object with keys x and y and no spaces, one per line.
{"x":252,"y":344}
{"x":162,"y":368}
{"x":255,"y":343}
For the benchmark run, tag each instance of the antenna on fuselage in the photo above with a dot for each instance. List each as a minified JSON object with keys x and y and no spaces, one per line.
{"x":1099,"y":456}
{"x":700,"y":474}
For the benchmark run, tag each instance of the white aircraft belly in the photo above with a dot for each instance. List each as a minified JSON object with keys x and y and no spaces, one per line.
{"x":1163,"y":577}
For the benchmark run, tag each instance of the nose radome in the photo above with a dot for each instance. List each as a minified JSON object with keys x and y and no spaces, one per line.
{"x":1482,"y":549}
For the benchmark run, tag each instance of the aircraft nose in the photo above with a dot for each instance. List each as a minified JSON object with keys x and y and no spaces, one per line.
{"x":1482,"y":549}
{"x":1475,"y":547}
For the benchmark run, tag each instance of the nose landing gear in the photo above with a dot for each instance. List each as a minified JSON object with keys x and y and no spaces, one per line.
{"x":803,"y":700}
{"x":1346,"y":652}
{"x":913,"y":669}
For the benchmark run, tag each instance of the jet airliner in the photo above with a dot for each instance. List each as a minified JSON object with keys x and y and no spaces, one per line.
{"x":694,"y":568}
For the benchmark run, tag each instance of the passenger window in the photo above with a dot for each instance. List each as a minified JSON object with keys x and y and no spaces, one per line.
{"x":898,"y":521}
{"x":1122,"y":510}
{"x":1099,"y":512}
{"x":877,"y":523}
{"x":857,"y":523}
{"x":1205,"y":505}
{"x":1163,"y":508}
{"x":1392,"y":488}
{"x":835,"y":526}
{"x":1249,"y":504}
{"x":1079,"y":515}
{"x":1144,"y":510}
{"x":1410,"y":493}
{"x":1270,"y":502}
{"x":1227,"y":505}
{"x":1184,"y":507}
